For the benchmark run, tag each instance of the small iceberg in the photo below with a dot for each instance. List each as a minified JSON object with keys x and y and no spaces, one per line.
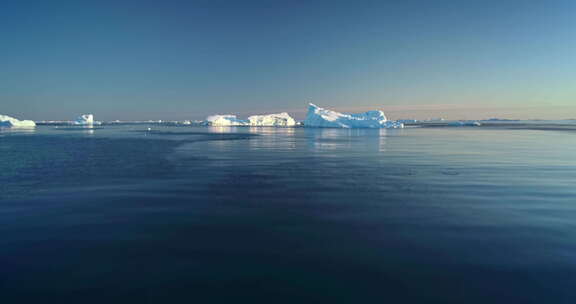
{"x":11,"y":122}
{"x":323,"y":118}
{"x":84,"y":120}
{"x":465,"y":123}
{"x":272,"y":120}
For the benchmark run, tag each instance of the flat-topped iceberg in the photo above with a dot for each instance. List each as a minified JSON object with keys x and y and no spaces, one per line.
{"x":268,"y":120}
{"x":85,"y":119}
{"x":323,"y":118}
{"x":225,"y":121}
{"x":272,"y":120}
{"x":11,"y":122}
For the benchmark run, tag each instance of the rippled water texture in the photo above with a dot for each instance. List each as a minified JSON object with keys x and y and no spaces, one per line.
{"x":124,"y":214}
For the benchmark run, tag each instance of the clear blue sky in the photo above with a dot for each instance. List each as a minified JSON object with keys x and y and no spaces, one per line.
{"x":185,"y":59}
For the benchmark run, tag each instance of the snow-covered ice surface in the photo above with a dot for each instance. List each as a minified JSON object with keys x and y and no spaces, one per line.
{"x":11,"y":122}
{"x":316,"y":117}
{"x":272,"y":120}
{"x":225,"y":121}
{"x":85,"y":119}
{"x":323,"y":118}
{"x":268,"y":120}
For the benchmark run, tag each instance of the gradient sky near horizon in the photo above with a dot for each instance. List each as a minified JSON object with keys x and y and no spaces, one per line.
{"x":186,"y":59}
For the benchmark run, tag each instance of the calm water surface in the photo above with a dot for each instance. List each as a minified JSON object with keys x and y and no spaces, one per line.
{"x":120,"y":214}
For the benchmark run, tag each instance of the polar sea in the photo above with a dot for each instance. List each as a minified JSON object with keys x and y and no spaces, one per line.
{"x":188,"y":214}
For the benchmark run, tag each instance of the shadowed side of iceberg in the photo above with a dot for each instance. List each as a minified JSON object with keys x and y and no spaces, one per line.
{"x":84,"y":120}
{"x":323,"y":118}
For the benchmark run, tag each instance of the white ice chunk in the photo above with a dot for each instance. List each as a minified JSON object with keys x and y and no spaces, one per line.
{"x":465,"y":123}
{"x":85,"y":119}
{"x":272,"y":120}
{"x":225,"y":121}
{"x":11,"y":122}
{"x":323,"y":118}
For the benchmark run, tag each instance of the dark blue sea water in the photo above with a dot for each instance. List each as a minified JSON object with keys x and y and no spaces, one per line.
{"x":120,"y":214}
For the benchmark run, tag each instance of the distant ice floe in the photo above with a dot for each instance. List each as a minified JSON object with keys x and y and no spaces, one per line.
{"x":268,"y":120}
{"x":323,"y":118}
{"x":11,"y":122}
{"x":465,"y":123}
{"x":84,"y":120}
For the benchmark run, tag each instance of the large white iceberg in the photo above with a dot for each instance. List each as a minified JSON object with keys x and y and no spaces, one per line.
{"x":268,"y":120}
{"x":85,"y":119}
{"x":272,"y":120}
{"x":323,"y":118}
{"x":225,"y":121}
{"x":11,"y":122}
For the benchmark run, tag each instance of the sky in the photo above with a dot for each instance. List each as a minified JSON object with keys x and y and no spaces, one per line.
{"x":174,"y":60}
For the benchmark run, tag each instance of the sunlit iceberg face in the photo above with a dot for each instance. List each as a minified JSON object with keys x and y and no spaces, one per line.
{"x":11,"y":122}
{"x":272,"y":120}
{"x":227,"y":120}
{"x":323,"y":118}
{"x":268,"y":120}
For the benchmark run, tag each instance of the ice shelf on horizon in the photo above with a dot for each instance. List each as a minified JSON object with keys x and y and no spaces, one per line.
{"x":11,"y":122}
{"x":268,"y":120}
{"x":324,"y":118}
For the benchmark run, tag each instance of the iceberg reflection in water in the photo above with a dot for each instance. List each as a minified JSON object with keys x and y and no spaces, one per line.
{"x":414,"y":215}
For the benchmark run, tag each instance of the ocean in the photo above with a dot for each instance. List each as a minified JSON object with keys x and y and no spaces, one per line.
{"x":187,"y":214}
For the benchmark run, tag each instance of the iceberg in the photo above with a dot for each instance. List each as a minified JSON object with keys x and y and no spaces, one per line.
{"x":272,"y":120}
{"x":323,"y":118}
{"x":85,"y":119}
{"x":268,"y":120}
{"x":225,"y":121}
{"x":11,"y":122}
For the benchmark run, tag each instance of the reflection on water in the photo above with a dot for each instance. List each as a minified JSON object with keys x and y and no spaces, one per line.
{"x":217,"y":129}
{"x":16,"y":130}
{"x":420,"y":215}
{"x":383,"y":134}
{"x":353,"y":140}
{"x":278,"y":139}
